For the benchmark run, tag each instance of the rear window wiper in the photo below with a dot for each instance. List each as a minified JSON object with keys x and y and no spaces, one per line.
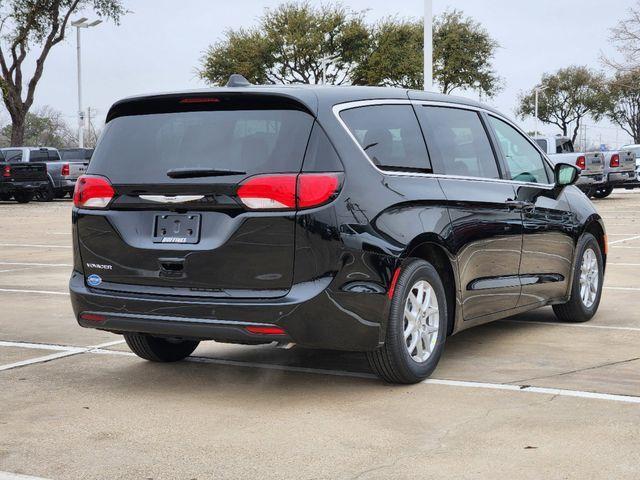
{"x":202,"y":172}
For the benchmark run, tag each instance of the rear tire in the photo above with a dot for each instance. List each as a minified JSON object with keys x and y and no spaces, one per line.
{"x":23,"y":197}
{"x":47,"y":194}
{"x":603,"y":192}
{"x":394,"y":362}
{"x":583,"y":306}
{"x":157,"y":349}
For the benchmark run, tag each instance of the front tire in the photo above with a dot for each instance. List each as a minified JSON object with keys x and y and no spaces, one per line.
{"x":417,"y":326}
{"x":157,"y":349}
{"x":603,"y":192}
{"x":586,"y":290}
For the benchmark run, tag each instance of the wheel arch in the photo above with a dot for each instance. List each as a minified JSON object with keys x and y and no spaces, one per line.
{"x":595,"y":227}
{"x":433,"y":250}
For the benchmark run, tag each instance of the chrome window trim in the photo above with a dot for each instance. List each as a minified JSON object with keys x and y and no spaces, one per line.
{"x":341,"y":107}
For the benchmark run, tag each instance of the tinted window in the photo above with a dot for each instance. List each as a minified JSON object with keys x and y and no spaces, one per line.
{"x":390,"y":135}
{"x":459,"y":142}
{"x":38,"y":156}
{"x":76,"y":153}
{"x":524,"y":162}
{"x":13,"y":156}
{"x":54,"y":156}
{"x":564,"y":146}
{"x":321,"y":156}
{"x":142,"y":148}
{"x":543,"y":144}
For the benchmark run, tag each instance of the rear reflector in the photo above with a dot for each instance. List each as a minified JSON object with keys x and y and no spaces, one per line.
{"x":65,"y":170}
{"x":92,"y":192}
{"x":394,"y":281}
{"x":615,"y":161}
{"x":266,"y":330}
{"x":90,"y":317}
{"x":7,"y":171}
{"x":289,"y":191}
{"x":581,"y":163}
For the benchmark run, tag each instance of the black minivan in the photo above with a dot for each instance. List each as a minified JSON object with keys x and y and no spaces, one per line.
{"x":348,"y":218}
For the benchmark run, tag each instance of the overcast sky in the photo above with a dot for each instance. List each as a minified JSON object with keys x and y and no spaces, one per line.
{"x":158,"y":46}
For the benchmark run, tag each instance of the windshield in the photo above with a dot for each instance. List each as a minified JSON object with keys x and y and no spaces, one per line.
{"x":141,"y":149}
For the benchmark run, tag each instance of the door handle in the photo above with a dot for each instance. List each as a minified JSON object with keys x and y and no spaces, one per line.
{"x":520,"y":205}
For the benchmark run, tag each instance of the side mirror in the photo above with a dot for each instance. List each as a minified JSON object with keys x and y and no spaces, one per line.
{"x":566,"y":174}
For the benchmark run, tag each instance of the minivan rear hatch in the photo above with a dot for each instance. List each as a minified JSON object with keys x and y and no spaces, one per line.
{"x":175,"y":225}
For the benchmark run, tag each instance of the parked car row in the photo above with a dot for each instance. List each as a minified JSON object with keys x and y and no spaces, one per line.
{"x":601,"y":172}
{"x":40,"y":172}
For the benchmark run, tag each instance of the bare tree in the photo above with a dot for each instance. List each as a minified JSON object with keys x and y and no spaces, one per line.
{"x":30,"y":29}
{"x":625,"y":37}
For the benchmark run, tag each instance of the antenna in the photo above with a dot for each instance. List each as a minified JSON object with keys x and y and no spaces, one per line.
{"x":237,"y":80}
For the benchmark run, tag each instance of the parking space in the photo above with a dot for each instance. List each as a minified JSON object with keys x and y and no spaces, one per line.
{"x":526,"y":397}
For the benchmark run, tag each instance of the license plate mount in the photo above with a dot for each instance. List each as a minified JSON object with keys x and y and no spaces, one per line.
{"x":177,"y":229}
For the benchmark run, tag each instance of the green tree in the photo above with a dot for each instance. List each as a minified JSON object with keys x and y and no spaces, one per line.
{"x":395,"y":57}
{"x":289,"y":46}
{"x":32,"y":28}
{"x":462,"y":55}
{"x":44,"y":127}
{"x":623,"y":102}
{"x":566,"y":98}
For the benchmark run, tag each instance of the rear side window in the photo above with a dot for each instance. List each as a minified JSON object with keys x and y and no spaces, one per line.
{"x":321,"y":156}
{"x":390,"y":135}
{"x":524,"y":162}
{"x":458,"y":141}
{"x":141,"y":149}
{"x":543,"y":144}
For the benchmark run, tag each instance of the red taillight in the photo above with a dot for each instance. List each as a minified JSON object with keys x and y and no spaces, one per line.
{"x":266,"y":330}
{"x":615,"y":161}
{"x":64,"y":171}
{"x":289,"y":191}
{"x":581,"y":163}
{"x":7,"y":171}
{"x":92,"y":192}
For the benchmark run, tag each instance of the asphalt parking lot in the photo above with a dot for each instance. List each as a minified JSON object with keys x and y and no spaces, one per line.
{"x":523,"y":398}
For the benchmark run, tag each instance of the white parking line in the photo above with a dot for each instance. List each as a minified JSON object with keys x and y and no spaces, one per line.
{"x":573,"y":325}
{"x":624,"y":240}
{"x":99,"y":349}
{"x":627,"y":289}
{"x":623,"y":264}
{"x":68,"y":352}
{"x":17,"y":476}
{"x":39,"y":292}
{"x":33,"y":246}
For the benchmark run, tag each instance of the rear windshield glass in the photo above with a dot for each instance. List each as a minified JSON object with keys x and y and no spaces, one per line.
{"x":76,"y":154}
{"x":13,"y":156}
{"x":141,"y":149}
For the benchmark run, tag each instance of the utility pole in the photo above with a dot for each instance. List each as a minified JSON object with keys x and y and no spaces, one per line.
{"x":537,"y":91}
{"x":428,"y":45}
{"x":79,"y":24}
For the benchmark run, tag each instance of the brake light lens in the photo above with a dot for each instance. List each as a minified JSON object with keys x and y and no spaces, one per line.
{"x":192,"y":100}
{"x":289,"y":191}
{"x":7,"y":171}
{"x":266,"y":330}
{"x":92,"y":192}
{"x":581,"y":162}
{"x":64,"y":171}
{"x":615,"y":161}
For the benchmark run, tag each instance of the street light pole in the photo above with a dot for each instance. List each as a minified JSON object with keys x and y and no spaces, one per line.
{"x":537,"y":91}
{"x":79,"y":24}
{"x":428,"y":45}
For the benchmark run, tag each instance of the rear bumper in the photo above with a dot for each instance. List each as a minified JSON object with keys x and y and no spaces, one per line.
{"x":312,"y":315}
{"x":13,"y":187}
{"x":585,"y":182}
{"x":619,"y":178}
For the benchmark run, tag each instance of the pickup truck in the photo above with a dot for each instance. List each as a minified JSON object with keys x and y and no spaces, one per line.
{"x":634,"y":183}
{"x":560,"y":149}
{"x":21,"y":181}
{"x":619,"y":170}
{"x":62,"y":174}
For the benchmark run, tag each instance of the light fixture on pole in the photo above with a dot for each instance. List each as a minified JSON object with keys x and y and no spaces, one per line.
{"x":537,"y":91}
{"x":324,"y":66}
{"x":428,"y":45}
{"x":79,"y":24}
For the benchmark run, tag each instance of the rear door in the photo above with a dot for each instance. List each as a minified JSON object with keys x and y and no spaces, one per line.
{"x":486,"y":228}
{"x":192,"y":236}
